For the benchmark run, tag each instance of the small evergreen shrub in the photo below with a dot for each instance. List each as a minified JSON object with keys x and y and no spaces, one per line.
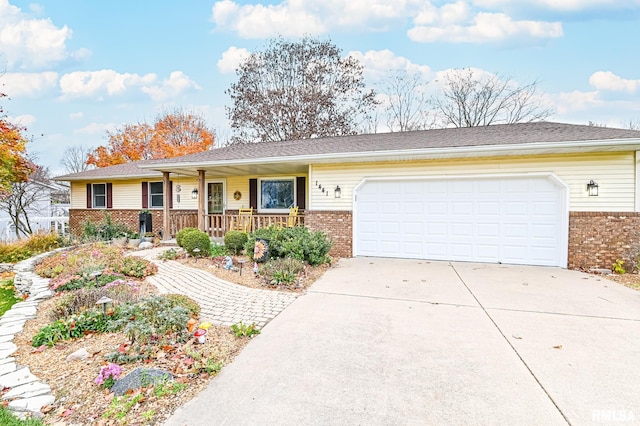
{"x":235,"y":241}
{"x":196,"y":243}
{"x":181,"y":233}
{"x":104,"y":231}
{"x":295,"y":242}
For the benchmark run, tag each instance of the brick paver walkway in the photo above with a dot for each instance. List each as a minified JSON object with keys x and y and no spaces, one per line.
{"x":221,"y":302}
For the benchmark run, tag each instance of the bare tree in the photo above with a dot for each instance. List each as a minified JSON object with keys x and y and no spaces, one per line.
{"x":632,"y":125}
{"x":408,"y":107}
{"x":297,"y":90}
{"x":25,"y":199}
{"x":74,"y":159}
{"x":469,"y":100}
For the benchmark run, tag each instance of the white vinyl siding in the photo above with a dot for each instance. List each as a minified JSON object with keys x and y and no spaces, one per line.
{"x":614,"y":173}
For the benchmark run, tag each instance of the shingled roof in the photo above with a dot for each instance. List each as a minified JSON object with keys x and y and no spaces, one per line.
{"x":504,"y":135}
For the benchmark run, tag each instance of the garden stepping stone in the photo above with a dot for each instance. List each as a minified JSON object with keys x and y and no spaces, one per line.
{"x":7,"y":360}
{"x":9,"y":330}
{"x":28,"y":391}
{"x":12,"y":320}
{"x":21,"y":311}
{"x":31,"y":404}
{"x":134,"y":380}
{"x":7,"y":338}
{"x":7,"y":348}
{"x":7,"y":368}
{"x":17,"y":378}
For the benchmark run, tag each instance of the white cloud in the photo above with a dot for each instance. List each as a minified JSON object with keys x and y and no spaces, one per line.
{"x":177,"y":83}
{"x":564,"y":5}
{"x":23,"y":120}
{"x":111,"y":83}
{"x":95,"y":128}
{"x":28,"y":84}
{"x":32,"y":43}
{"x":452,"y":25}
{"x":299,"y":17}
{"x":568,"y":102}
{"x":606,"y":80}
{"x":378,"y":63}
{"x":231,"y":59}
{"x":100,"y":83}
{"x":76,"y":115}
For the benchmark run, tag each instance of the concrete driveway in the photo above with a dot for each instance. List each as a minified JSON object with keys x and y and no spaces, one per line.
{"x":407,"y":342}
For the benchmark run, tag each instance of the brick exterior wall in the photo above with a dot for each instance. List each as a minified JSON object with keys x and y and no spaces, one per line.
{"x":128,"y":217}
{"x":597,"y":239}
{"x":338,"y":225}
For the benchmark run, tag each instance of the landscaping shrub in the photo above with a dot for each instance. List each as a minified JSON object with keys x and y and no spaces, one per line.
{"x":181,"y":233}
{"x":295,"y":242}
{"x":235,"y":241}
{"x":196,"y":243}
{"x":218,"y":250}
{"x":75,"y":302}
{"x":185,"y":302}
{"x":106,"y":230}
{"x":283,"y":271}
{"x":25,"y":248}
{"x":71,"y":328}
{"x":151,"y":316}
{"x":133,"y":266}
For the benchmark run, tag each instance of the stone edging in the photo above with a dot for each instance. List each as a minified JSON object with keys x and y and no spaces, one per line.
{"x":27,"y":394}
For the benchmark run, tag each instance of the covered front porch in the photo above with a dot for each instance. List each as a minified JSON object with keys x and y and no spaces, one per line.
{"x":216,"y":225}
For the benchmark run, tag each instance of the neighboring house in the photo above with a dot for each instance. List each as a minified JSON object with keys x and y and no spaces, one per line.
{"x":47,"y":209}
{"x":534,"y":193}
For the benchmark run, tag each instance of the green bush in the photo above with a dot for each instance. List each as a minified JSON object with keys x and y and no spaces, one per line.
{"x":105,"y":230}
{"x":75,"y":302}
{"x":235,"y":241}
{"x":181,"y":233}
{"x":218,"y":250}
{"x":281,"y":271}
{"x":185,"y":302}
{"x":71,"y":328}
{"x":196,"y":243}
{"x":295,"y":242}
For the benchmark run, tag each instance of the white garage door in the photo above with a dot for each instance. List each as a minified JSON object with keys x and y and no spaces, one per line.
{"x":510,"y":219}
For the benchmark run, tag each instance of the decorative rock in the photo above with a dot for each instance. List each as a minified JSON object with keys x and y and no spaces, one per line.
{"x":9,"y":329}
{"x":17,"y":378}
{"x":20,"y":311}
{"x":31,"y":404}
{"x":145,"y":245}
{"x":7,"y":360}
{"x":139,"y":377}
{"x":7,"y":348}
{"x":28,"y":391}
{"x":12,"y":320}
{"x":7,"y":338}
{"x":7,"y":368}
{"x":78,"y":355}
{"x":6,"y":267}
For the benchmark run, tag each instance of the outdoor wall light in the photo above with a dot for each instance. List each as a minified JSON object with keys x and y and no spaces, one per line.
{"x":592,"y":188}
{"x":194,"y":194}
{"x":338,"y":191}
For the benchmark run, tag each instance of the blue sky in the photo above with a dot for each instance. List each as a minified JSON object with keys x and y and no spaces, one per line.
{"x":76,"y":68}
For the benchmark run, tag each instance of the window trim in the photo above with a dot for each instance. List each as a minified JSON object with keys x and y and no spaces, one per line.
{"x":283,"y":210}
{"x":150,"y":194}
{"x":93,"y":196}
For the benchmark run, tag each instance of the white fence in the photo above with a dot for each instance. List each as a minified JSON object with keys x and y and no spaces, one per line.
{"x":57,"y":224}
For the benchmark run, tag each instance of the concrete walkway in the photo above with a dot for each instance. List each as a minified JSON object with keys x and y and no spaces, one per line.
{"x":221,"y":302}
{"x":405,"y":342}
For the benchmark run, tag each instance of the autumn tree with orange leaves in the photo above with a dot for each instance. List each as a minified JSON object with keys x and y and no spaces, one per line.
{"x":14,"y":165}
{"x":173,"y":134}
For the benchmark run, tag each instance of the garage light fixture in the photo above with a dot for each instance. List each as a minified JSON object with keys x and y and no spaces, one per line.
{"x":338,"y":192}
{"x":194,"y":194}
{"x":592,"y":188}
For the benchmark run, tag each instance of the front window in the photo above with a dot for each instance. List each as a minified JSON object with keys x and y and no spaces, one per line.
{"x":99,"y":191}
{"x":277,"y":194}
{"x":155,"y":194}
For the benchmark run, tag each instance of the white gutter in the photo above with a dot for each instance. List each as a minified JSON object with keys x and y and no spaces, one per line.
{"x":488,"y":150}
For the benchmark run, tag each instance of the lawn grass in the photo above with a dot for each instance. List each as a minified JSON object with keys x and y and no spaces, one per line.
{"x":8,"y":419}
{"x":7,"y":297}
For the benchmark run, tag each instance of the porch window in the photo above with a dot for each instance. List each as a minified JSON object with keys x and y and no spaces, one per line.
{"x":99,"y":191}
{"x":277,"y":195}
{"x":155,"y":195}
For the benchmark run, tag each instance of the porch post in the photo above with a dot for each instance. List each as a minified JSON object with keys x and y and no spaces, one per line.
{"x":201,"y":195}
{"x":166,"y":232}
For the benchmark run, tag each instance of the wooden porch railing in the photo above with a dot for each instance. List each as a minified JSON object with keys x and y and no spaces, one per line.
{"x":216,"y":225}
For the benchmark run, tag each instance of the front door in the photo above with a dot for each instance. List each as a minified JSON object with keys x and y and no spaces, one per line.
{"x":215,"y":197}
